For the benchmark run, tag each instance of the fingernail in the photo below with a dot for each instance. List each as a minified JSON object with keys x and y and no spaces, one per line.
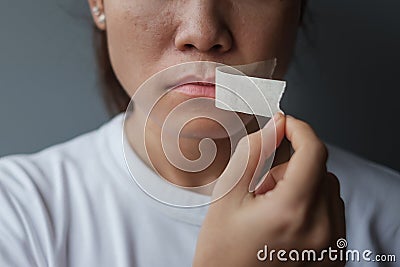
{"x":275,"y":119}
{"x":278,"y":116}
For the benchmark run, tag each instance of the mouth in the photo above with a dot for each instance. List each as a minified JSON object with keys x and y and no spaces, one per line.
{"x":196,"y":89}
{"x":194,"y":86}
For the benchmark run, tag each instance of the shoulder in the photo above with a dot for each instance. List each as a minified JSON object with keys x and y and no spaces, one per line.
{"x":68,"y":168}
{"x":42,"y":169}
{"x":47,"y":170}
{"x":371,"y":193}
{"x":361,"y":176}
{"x":38,"y":191}
{"x":55,"y":173}
{"x":71,"y":157}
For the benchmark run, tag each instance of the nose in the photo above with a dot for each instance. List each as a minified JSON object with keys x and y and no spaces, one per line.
{"x":202,"y":29}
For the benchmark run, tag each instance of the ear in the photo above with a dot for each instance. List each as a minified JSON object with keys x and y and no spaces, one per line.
{"x":98,"y":15}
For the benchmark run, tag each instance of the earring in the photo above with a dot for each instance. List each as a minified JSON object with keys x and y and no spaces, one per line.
{"x":102,"y":18}
{"x":96,"y":11}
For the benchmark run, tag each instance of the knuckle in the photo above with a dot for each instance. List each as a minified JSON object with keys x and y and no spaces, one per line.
{"x":297,"y":220}
{"x":288,"y":222}
{"x":304,"y":124}
{"x":322,"y":150}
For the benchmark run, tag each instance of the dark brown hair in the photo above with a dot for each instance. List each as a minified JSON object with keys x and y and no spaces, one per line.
{"x":115,"y":97}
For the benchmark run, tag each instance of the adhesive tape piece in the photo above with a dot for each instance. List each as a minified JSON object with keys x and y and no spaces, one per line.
{"x":237,"y":90}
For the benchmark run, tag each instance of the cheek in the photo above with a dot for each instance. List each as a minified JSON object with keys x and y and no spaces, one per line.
{"x":137,"y":37}
{"x":275,"y":43}
{"x":269,"y":34}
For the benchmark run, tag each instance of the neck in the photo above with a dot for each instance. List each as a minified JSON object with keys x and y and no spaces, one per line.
{"x":145,"y":139}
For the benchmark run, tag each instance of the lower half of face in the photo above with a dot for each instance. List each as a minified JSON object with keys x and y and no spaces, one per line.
{"x":145,"y":37}
{"x":197,"y":117}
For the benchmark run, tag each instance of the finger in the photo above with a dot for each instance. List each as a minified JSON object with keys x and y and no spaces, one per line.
{"x":308,"y":162}
{"x":269,"y":181}
{"x":268,"y":139}
{"x":337,"y":206}
{"x":251,"y":151}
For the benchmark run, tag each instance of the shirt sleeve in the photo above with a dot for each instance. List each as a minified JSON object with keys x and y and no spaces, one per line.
{"x":25,"y":235}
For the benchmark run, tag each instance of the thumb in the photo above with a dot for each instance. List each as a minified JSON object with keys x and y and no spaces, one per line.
{"x":249,"y":157}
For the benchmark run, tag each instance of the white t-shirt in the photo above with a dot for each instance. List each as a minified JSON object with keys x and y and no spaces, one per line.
{"x":76,"y":204}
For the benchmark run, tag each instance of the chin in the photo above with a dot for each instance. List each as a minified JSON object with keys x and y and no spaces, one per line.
{"x":197,"y":119}
{"x":201,"y":128}
{"x":205,"y":127}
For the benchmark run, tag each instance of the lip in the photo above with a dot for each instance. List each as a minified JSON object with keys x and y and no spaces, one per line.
{"x":196,"y":87}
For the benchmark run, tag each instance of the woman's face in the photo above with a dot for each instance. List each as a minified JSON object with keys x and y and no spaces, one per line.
{"x":147,"y":36}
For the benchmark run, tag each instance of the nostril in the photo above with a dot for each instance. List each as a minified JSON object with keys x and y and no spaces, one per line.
{"x":189,"y":46}
{"x":217,"y":47}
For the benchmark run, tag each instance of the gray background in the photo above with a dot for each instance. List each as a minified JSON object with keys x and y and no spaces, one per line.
{"x":343,"y":79}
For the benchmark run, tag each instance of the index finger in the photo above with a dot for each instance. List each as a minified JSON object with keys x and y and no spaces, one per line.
{"x":307,"y":165}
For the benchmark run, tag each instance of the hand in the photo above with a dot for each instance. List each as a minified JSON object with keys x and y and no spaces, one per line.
{"x":297,"y":206}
